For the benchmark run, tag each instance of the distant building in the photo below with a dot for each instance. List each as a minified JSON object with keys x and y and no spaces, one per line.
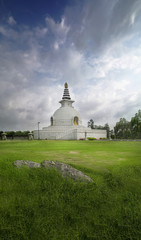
{"x":66,"y":123}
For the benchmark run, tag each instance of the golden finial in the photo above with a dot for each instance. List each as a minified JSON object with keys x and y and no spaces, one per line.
{"x":66,"y":85}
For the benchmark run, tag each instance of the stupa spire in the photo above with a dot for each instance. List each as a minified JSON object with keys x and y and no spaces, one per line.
{"x":66,"y":94}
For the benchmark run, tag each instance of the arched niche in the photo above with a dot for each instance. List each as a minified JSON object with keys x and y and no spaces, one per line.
{"x":75,"y":120}
{"x":51,"y":120}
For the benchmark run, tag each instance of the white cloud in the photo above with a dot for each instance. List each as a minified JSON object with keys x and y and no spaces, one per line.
{"x":41,"y":32}
{"x":56,"y":45}
{"x":11,"y":21}
{"x":58,"y":29}
{"x":3,"y":31}
{"x":133,"y":16}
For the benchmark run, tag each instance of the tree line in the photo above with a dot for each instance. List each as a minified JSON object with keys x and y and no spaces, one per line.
{"x":129,"y":129}
{"x":123,"y":129}
{"x":12,"y":134}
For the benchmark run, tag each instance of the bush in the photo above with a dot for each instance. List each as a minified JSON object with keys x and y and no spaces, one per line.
{"x":1,"y":134}
{"x":90,"y":138}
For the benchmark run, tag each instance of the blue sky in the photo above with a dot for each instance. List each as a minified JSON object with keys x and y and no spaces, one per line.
{"x":94,"y":45}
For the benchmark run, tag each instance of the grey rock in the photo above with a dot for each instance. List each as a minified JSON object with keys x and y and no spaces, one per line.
{"x":21,"y":163}
{"x":66,"y":170}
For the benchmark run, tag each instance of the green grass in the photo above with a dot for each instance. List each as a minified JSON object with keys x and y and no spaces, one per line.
{"x":40,"y":204}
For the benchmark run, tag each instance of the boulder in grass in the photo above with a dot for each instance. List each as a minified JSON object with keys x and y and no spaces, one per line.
{"x":66,"y":170}
{"x":21,"y":163}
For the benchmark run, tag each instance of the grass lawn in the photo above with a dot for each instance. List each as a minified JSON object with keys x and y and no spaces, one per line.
{"x":38,"y":204}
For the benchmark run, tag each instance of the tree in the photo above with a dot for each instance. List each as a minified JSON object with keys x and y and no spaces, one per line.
{"x":122,"y":129}
{"x":25,"y":133}
{"x":136,"y":125}
{"x":91,"y":124}
{"x":98,"y":127}
{"x":106,"y":127}
{"x":112,"y":134}
{"x":18,"y":133}
{"x":1,"y":134}
{"x":10,"y":134}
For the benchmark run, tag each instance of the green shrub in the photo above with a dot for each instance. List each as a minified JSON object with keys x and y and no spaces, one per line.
{"x":90,"y":138}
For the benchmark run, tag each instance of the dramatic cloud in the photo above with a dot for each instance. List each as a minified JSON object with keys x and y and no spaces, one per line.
{"x":94,"y":46}
{"x":98,"y":25}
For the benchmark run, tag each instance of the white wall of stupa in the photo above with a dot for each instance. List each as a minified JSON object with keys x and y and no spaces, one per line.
{"x":66,"y":123}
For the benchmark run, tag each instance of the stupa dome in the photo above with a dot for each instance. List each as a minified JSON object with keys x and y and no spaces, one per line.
{"x":66,"y":115}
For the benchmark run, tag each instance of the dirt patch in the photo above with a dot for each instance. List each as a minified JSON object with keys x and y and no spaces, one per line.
{"x":121,"y":159}
{"x":73,"y":152}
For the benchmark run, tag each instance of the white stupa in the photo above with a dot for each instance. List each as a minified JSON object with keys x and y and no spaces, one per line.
{"x":66,"y":123}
